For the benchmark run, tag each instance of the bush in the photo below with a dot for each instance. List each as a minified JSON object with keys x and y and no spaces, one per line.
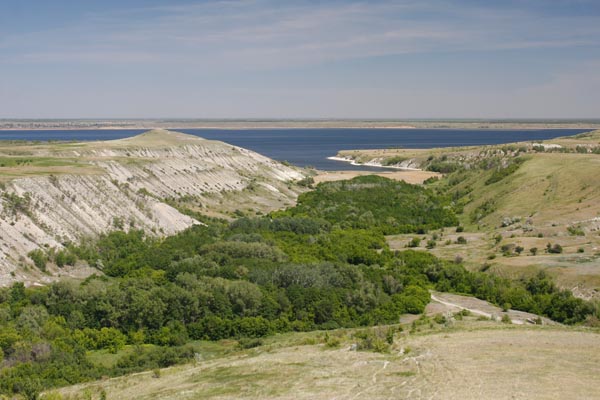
{"x":415,"y":242}
{"x":249,"y":343}
{"x":376,"y":340}
{"x":307,"y":182}
{"x":389,"y":336}
{"x":575,"y":231}
{"x":393,"y":160}
{"x":461,"y":240}
{"x":507,"y":249}
{"x":443,"y":167}
{"x":39,"y":258}
{"x":556,"y":249}
{"x":502,"y":173}
{"x":519,"y":249}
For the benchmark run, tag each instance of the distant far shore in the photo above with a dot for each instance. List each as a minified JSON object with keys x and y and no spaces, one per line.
{"x":119,"y":124}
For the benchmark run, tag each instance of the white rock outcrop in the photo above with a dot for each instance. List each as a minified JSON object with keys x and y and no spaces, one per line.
{"x":135,"y":176}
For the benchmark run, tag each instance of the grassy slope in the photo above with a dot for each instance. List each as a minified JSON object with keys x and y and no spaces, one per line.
{"x":550,"y":188}
{"x":468,"y":360}
{"x":550,"y":192}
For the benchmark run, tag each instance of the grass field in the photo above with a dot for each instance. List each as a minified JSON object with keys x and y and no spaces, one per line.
{"x":467,"y":359}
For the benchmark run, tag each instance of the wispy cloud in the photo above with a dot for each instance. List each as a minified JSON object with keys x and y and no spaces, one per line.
{"x":304,"y":58}
{"x":268,"y":34}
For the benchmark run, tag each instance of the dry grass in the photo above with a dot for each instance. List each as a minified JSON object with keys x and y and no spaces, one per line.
{"x":469,"y":360}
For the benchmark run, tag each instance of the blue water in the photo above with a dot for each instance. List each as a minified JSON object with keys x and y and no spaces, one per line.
{"x":311,"y":147}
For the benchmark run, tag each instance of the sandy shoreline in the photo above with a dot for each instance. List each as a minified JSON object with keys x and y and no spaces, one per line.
{"x":413,"y":176}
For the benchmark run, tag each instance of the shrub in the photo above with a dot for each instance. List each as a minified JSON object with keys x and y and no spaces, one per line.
{"x":389,"y":336}
{"x":507,"y":249}
{"x":533,"y":251}
{"x":575,"y":231}
{"x":483,"y":210}
{"x":556,"y":249}
{"x":443,"y":167}
{"x":307,"y":182}
{"x":415,"y":242}
{"x":497,"y":238}
{"x":249,"y":343}
{"x":502,"y":173}
{"x":333,"y":342}
{"x":461,"y":240}
{"x":519,"y":249}
{"x":377,"y":340}
{"x":393,"y":160}
{"x":39,"y":258}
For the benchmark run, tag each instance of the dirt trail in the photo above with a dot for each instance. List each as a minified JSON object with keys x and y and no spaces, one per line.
{"x":454,"y":302}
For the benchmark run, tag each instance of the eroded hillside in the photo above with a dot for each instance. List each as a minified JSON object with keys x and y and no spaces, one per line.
{"x":54,"y":193}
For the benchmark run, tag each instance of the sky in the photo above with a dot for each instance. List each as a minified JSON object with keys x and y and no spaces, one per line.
{"x":300,"y":59}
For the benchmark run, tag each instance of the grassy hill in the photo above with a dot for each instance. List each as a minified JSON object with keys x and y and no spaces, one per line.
{"x":519,"y":195}
{"x":466,"y":359}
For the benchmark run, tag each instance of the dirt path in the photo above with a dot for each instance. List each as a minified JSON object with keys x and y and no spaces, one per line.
{"x":472,"y":310}
{"x":454,"y":302}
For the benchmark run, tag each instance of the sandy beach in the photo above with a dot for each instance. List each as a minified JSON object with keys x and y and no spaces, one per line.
{"x":408,"y":176}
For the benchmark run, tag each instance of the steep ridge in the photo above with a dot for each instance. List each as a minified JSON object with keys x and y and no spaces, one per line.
{"x":124,"y":184}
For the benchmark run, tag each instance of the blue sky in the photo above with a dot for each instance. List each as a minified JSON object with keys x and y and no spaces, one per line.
{"x":300,"y":59}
